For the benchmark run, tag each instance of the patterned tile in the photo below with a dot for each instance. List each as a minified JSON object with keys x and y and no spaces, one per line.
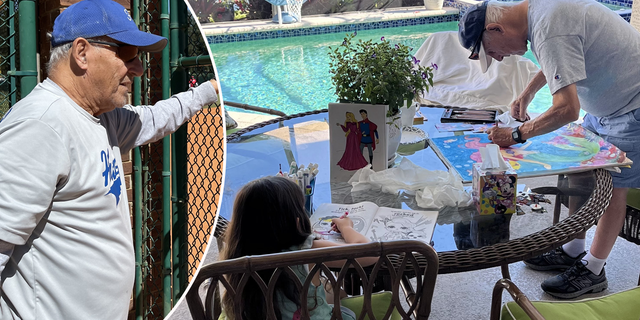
{"x":329,"y":29}
{"x":462,"y":7}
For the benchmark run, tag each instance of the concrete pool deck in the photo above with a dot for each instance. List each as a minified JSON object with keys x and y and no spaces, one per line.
{"x":248,"y":26}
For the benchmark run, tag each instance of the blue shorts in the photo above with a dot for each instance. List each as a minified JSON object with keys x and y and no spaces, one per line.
{"x":622,"y":131}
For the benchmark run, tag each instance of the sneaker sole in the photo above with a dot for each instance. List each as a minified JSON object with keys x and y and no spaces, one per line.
{"x":536,"y":267}
{"x":593,"y":289}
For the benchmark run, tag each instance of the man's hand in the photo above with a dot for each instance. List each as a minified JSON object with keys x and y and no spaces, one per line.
{"x":519,"y":107}
{"x":215,"y":85}
{"x":501,"y":136}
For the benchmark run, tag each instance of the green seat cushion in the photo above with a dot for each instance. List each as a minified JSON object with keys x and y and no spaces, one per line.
{"x":619,"y":306}
{"x":379,"y":304}
{"x":633,"y":198}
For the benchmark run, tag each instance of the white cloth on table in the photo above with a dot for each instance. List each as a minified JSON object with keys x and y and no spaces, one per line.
{"x":460,"y":82}
{"x":432,"y":188}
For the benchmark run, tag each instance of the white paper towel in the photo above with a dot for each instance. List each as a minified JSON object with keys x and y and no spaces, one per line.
{"x":432,"y":188}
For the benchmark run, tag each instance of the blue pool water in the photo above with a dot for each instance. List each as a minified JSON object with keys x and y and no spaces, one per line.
{"x":292,"y":74}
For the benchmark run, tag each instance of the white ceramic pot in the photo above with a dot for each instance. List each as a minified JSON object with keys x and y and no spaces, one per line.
{"x":394,"y":134}
{"x":433,"y":4}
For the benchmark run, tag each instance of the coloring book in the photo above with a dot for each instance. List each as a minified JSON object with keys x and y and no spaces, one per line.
{"x":357,"y":138}
{"x":571,"y":148}
{"x":376,"y":223}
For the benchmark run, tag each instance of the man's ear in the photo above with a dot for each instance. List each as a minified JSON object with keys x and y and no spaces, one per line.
{"x":495,"y":27}
{"x":79,"y":51}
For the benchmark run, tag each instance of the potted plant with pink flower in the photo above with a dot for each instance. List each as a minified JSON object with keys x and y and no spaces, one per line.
{"x":379,"y":72}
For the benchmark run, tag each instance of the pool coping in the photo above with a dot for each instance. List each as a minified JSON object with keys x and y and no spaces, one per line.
{"x":327,"y":23}
{"x":250,"y":30}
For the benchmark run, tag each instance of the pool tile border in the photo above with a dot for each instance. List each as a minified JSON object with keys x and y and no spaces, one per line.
{"x":287,"y":33}
{"x":273,"y":34}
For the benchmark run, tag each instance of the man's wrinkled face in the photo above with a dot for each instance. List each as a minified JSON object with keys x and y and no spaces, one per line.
{"x":111,"y":76}
{"x":501,"y":45}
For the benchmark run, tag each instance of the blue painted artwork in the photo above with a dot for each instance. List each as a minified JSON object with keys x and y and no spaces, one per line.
{"x":568,"y":149}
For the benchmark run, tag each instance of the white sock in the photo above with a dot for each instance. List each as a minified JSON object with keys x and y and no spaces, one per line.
{"x":594,"y":264}
{"x":574,"y":247}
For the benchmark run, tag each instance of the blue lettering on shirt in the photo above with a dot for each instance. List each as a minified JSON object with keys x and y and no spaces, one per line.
{"x":111,"y":175}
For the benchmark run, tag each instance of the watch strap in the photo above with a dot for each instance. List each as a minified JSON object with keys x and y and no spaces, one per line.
{"x":517,"y":135}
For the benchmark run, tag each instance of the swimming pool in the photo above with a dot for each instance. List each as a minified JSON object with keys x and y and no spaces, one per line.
{"x":292,"y":74}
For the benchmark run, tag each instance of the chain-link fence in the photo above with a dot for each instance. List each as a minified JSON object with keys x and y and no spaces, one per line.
{"x":9,"y":86}
{"x":205,"y":148}
{"x":147,"y":182}
{"x":177,"y":180}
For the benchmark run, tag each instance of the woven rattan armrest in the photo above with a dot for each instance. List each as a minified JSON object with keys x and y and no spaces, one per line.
{"x":282,"y":262}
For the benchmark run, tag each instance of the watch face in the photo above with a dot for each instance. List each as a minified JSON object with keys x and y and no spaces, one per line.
{"x":517,"y":137}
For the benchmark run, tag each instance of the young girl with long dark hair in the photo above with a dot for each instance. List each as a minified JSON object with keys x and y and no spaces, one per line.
{"x":269,"y":217}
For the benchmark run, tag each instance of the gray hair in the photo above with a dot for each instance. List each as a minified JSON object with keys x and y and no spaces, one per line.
{"x":496,"y":9}
{"x":57,"y":54}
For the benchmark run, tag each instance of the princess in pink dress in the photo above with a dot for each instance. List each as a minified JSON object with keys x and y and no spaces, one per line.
{"x":352,"y":158}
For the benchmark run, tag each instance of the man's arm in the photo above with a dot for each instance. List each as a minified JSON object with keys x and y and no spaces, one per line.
{"x":565,"y":109}
{"x":140,"y":125}
{"x":519,"y":106}
{"x":35,"y":163}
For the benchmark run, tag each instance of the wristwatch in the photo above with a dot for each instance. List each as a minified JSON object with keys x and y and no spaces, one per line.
{"x":517,"y":136}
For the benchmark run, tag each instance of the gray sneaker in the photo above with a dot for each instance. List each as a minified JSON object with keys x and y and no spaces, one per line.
{"x":553,"y":260}
{"x":575,"y":282}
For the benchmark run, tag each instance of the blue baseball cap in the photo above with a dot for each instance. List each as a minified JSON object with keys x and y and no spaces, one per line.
{"x":470,"y":30}
{"x":96,"y":18}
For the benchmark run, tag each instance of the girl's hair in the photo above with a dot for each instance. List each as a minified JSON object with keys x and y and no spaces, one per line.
{"x":268,"y":216}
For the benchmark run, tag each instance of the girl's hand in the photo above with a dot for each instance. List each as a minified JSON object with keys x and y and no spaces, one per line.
{"x":340,"y":224}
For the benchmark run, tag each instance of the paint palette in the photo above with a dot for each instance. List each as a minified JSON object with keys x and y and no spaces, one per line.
{"x":453,"y":114}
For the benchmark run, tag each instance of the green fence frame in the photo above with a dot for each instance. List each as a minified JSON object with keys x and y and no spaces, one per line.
{"x":163,"y":223}
{"x":18,"y":51}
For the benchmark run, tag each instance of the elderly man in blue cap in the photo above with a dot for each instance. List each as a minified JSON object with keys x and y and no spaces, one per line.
{"x":588,"y":56}
{"x":66,"y":250}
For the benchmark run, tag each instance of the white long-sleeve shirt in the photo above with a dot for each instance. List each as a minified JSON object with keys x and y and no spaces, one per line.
{"x":63,"y":203}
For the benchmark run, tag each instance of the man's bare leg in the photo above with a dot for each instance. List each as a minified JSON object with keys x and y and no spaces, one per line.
{"x":609,"y":227}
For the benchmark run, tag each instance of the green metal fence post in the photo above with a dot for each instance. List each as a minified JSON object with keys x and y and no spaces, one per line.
{"x":166,"y":165}
{"x":137,"y":188}
{"x":179,"y":14}
{"x":12,"y":51}
{"x":28,"y":46}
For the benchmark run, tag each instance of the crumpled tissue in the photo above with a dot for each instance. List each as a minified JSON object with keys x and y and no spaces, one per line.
{"x":507,"y":121}
{"x":432,"y":188}
{"x":492,"y":158}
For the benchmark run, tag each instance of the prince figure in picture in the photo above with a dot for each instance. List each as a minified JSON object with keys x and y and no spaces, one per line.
{"x":368,"y":129}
